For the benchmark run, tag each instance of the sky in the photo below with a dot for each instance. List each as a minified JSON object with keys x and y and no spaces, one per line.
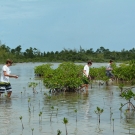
{"x":54,"y":25}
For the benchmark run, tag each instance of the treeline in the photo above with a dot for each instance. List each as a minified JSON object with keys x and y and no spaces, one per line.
{"x":81,"y":55}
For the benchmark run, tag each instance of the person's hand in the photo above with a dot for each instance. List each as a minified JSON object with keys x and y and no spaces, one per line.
{"x":89,"y":77}
{"x":16,"y":76}
{"x":110,"y":69}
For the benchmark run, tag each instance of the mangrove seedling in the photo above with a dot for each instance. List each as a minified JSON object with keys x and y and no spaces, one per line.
{"x":57,"y":112}
{"x":29,"y":102}
{"x":110,"y":114}
{"x":59,"y":132}
{"x":48,"y":97}
{"x":76,"y":114}
{"x":45,"y":94}
{"x":21,"y":122}
{"x":113,"y":124}
{"x":32,"y":130}
{"x":121,"y":87}
{"x":65,"y":121}
{"x":52,"y":108}
{"x":29,"y":110}
{"x":128,"y":95}
{"x":40,"y":115}
{"x":33,"y":85}
{"x":99,"y":111}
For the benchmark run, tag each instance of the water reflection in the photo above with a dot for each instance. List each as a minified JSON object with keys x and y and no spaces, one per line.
{"x":6,"y":113}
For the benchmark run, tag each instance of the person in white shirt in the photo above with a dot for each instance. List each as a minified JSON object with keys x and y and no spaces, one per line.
{"x":109,"y":70}
{"x":4,"y":81}
{"x":86,"y":76}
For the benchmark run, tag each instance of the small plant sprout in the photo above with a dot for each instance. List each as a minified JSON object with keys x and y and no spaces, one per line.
{"x":76,"y":114}
{"x":121,"y":87}
{"x":32,"y":130}
{"x":111,"y":114}
{"x":57,"y":112}
{"x":99,"y":111}
{"x":65,"y":121}
{"x":40,"y":114}
{"x":29,"y":102}
{"x":52,"y":108}
{"x":29,"y":110}
{"x":59,"y":132}
{"x":21,"y":122}
{"x":33,"y":85}
{"x":121,"y":106}
{"x":48,"y":97}
{"x":45,"y":94}
{"x":113,"y":124}
{"x":128,"y":95}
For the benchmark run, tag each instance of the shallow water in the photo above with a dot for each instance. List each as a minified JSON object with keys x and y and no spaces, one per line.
{"x":87,"y":121}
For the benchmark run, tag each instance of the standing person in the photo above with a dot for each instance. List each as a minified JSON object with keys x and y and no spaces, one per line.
{"x":5,"y":75}
{"x":86,"y":76}
{"x":109,"y":70}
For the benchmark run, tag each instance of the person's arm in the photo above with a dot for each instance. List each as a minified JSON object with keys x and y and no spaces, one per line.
{"x":5,"y":74}
{"x":84,"y":72}
{"x":109,"y":69}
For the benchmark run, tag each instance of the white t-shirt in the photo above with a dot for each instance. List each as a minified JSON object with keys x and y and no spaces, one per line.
{"x":5,"y":78}
{"x":108,"y":67}
{"x":86,"y":68}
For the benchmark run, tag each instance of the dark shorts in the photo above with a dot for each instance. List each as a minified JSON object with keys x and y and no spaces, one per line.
{"x":109,"y":74}
{"x":5,"y":87}
{"x":85,"y":80}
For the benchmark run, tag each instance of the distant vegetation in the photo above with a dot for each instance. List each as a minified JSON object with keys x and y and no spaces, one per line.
{"x":68,"y":76}
{"x":81,"y":55}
